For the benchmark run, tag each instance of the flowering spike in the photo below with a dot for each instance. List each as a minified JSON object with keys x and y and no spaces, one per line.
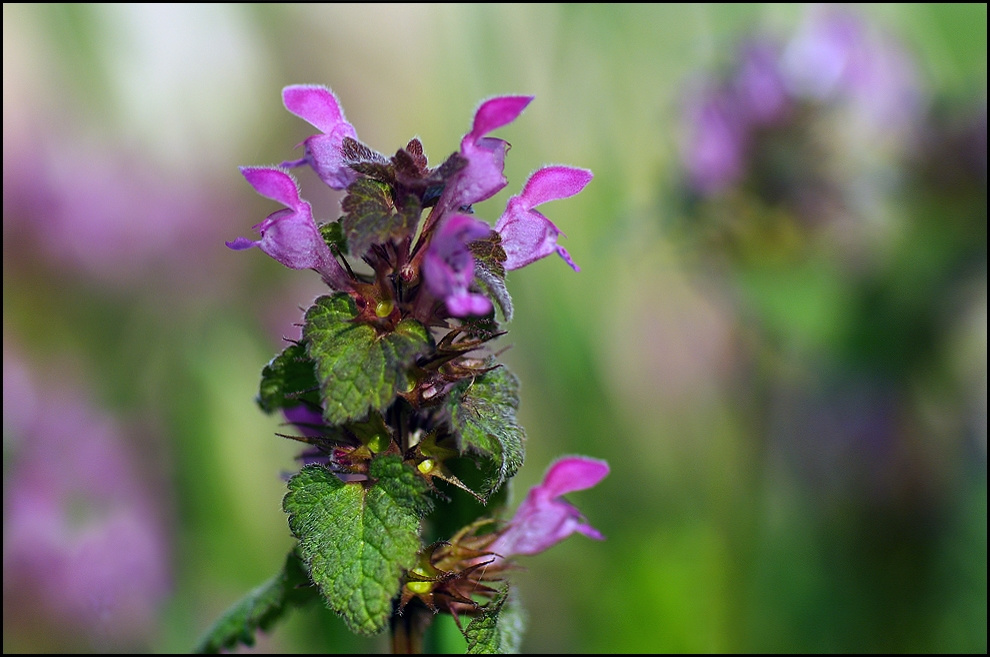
{"x":526,"y":234}
{"x":319,"y":106}
{"x":392,"y":376}
{"x":290,"y":235}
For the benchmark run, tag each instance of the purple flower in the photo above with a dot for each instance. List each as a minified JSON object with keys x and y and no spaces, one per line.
{"x":526,"y":234}
{"x":822,"y":59}
{"x":318,"y":105}
{"x":290,"y":235}
{"x":448,"y":265}
{"x":483,"y":176}
{"x":307,"y":420}
{"x":84,"y":549}
{"x":759,"y":85}
{"x":837,"y":57}
{"x":715,"y":149}
{"x":544,"y":519}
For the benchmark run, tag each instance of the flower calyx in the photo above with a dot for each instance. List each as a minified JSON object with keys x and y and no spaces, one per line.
{"x":451,"y":578}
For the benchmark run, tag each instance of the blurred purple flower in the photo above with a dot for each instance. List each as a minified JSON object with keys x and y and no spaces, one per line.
{"x":526,"y":234}
{"x":835,"y":57}
{"x":544,"y":519}
{"x":82,"y":545}
{"x":833,"y":62}
{"x":318,"y":105}
{"x":715,"y":147}
{"x":483,"y":176}
{"x":105,"y":212}
{"x":290,"y":235}
{"x":448,"y":265}
{"x":822,"y":56}
{"x":759,"y":85}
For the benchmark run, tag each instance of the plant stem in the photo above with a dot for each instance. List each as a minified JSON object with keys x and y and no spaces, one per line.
{"x":408,"y":629}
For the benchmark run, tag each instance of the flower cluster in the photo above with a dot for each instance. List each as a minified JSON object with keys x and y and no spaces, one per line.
{"x":834,"y":62}
{"x":475,"y":174}
{"x":83,"y":537}
{"x":393,"y":386}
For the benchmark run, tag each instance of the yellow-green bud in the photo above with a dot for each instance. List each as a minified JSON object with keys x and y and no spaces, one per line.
{"x":384,"y":308}
{"x":379,"y":443}
{"x":420,"y":587}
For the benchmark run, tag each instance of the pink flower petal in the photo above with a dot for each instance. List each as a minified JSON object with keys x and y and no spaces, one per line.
{"x":554,"y":183}
{"x":573,"y":473}
{"x":316,"y":104}
{"x":495,"y":113}
{"x":448,"y":266}
{"x":275,"y":184}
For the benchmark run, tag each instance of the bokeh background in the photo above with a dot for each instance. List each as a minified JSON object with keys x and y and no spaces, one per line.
{"x":778,"y":338}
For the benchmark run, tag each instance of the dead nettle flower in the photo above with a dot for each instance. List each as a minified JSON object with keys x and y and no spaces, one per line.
{"x":714,"y":149}
{"x":837,"y":57}
{"x":484,"y":176}
{"x":318,"y":105}
{"x":451,"y":574}
{"x":448,"y":265}
{"x":544,"y":518}
{"x":472,"y":175}
{"x":290,"y":235}
{"x":526,"y":234}
{"x":85,"y":551}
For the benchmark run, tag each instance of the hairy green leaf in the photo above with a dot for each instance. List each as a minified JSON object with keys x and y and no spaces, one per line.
{"x":498,"y":630}
{"x":333,"y":234}
{"x":494,"y":286}
{"x":288,"y":379}
{"x":359,"y":368}
{"x":372,"y":215}
{"x":369,"y":215}
{"x":357,"y":539}
{"x":483,"y":415}
{"x":489,"y":271}
{"x":489,"y":253}
{"x":260,"y":608}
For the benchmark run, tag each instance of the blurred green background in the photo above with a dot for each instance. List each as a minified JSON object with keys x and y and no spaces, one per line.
{"x":794,"y":409}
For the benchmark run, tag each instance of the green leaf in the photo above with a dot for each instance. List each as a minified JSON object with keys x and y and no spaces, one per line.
{"x":359,"y":368}
{"x":358,"y":539}
{"x":368,"y":218}
{"x":260,"y":608}
{"x":372,"y":216}
{"x":288,"y":379}
{"x":489,"y":253}
{"x":333,"y":234}
{"x":499,"y":628}
{"x":483,"y":414}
